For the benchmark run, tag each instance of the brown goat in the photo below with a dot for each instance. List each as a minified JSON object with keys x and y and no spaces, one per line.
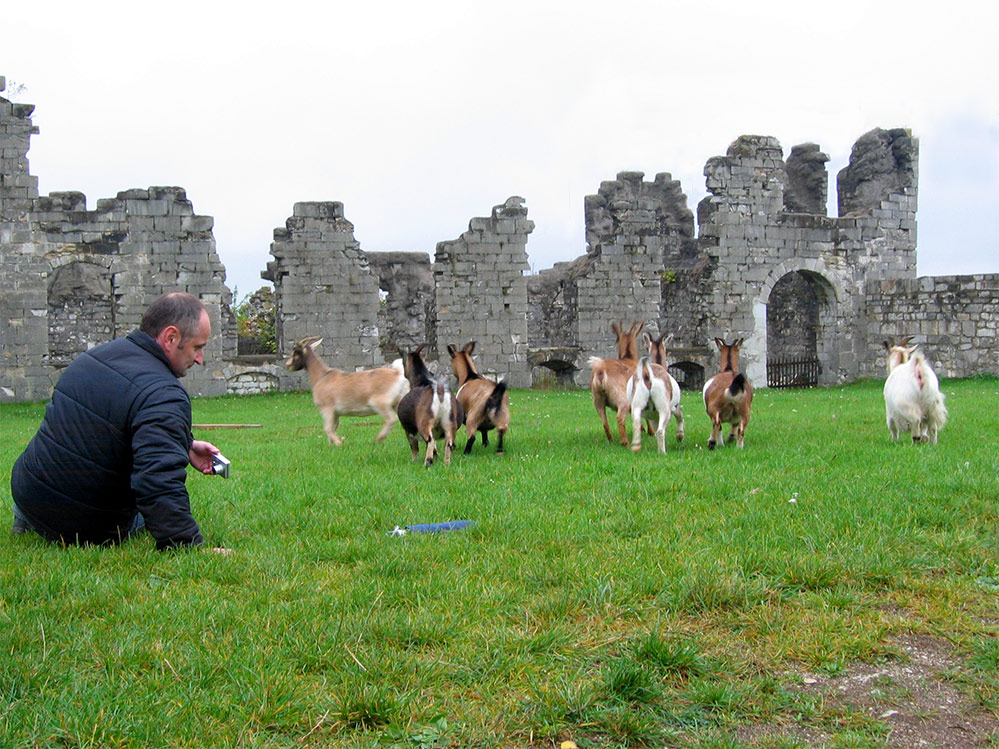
{"x":609,"y":378}
{"x":728,"y":396}
{"x":486,"y":403}
{"x":428,"y":410}
{"x":337,"y":393}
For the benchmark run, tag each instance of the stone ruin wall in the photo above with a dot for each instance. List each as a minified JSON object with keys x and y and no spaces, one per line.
{"x":955,"y":319}
{"x":767,"y":265}
{"x":481,"y":294}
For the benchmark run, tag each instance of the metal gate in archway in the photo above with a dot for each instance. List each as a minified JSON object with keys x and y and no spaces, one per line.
{"x":793,"y":372}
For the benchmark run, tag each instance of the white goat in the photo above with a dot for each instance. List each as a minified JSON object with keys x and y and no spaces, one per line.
{"x":657,"y":350}
{"x":913,"y":401}
{"x":649,"y":392}
{"x":337,"y":393}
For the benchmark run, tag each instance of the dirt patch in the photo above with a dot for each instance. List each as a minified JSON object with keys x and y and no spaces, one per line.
{"x":912,"y":697}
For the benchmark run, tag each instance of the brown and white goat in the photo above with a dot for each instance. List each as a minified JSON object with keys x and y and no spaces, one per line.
{"x":337,"y":393}
{"x":486,"y":403}
{"x":728,"y":396}
{"x":913,"y":401}
{"x":657,"y":352}
{"x":429,"y":410}
{"x":609,"y":378}
{"x":650,"y":393}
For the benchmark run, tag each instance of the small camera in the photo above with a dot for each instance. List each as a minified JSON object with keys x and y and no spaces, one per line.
{"x":220,"y":465}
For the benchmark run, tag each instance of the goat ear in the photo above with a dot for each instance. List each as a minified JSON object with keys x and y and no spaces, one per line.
{"x":420,"y":348}
{"x":315,"y":343}
{"x":451,"y":350}
{"x":616,"y":329}
{"x":887,"y":344}
{"x":905,"y":341}
{"x":736,"y":344}
{"x":469,"y":347}
{"x":719,"y":343}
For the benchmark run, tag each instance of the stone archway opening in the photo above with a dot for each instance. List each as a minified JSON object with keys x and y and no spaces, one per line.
{"x":688,"y":375}
{"x":801,"y":314}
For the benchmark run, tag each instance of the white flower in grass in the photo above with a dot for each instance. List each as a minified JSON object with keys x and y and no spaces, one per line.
{"x":794,"y":499}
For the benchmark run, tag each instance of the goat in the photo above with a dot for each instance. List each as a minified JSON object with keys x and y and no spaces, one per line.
{"x":649,"y":391}
{"x":913,"y":401}
{"x":337,"y":393}
{"x":609,"y":378}
{"x":728,"y":396}
{"x":657,"y":352}
{"x":428,"y":410}
{"x":486,"y":403}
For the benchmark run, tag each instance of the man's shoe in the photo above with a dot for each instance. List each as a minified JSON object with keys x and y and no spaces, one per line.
{"x":20,"y":525}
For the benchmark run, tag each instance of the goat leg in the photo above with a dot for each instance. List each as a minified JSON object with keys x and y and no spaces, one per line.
{"x":431,"y":450}
{"x":622,"y":414}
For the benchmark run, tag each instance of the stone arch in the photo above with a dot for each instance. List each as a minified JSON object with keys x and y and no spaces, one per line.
{"x":555,"y":366}
{"x":825,"y":295}
{"x":688,"y":375}
{"x":80,"y":309}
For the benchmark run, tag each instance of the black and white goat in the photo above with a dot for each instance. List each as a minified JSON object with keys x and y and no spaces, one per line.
{"x":429,"y":410}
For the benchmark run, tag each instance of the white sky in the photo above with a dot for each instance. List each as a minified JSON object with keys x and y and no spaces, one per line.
{"x":418,"y":116}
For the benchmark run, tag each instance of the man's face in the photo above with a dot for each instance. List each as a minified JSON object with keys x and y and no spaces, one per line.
{"x":184,"y":353}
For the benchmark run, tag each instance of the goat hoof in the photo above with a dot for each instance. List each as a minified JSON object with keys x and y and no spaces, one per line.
{"x":711,"y":445}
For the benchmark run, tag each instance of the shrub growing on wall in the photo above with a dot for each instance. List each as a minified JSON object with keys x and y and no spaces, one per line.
{"x":255,"y":323}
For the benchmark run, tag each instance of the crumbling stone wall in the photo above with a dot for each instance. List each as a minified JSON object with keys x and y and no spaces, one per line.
{"x":634,"y":230}
{"x":754,"y":243}
{"x":806,"y":188}
{"x":481,"y":293}
{"x":324,"y":286}
{"x":407,"y":305}
{"x":77,"y":277}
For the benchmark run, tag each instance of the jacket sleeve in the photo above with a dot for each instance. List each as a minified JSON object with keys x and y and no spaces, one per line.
{"x":161,"y":439}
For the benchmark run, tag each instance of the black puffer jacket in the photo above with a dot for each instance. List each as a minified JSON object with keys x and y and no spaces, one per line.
{"x":114,"y":440}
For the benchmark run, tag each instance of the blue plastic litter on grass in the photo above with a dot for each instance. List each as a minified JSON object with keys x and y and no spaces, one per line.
{"x":452,"y":525}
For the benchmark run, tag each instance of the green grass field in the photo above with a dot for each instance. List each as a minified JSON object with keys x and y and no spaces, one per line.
{"x":605,"y":597}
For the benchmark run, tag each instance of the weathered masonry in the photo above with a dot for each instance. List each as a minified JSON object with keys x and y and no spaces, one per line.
{"x":761,"y":260}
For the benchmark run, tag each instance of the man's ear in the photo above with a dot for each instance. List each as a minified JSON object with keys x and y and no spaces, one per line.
{"x":170,"y":336}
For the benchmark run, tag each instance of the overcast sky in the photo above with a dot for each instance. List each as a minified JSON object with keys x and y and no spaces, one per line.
{"x":419,"y":116}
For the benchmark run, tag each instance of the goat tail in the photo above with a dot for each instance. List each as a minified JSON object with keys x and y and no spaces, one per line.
{"x":495,"y":400}
{"x":938,"y":413}
{"x":644,"y":371}
{"x":738,"y":386}
{"x":597,"y":375}
{"x":440,"y":401}
{"x":919,"y":369}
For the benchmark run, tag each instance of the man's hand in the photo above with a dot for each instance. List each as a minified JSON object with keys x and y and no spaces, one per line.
{"x":201,"y":454}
